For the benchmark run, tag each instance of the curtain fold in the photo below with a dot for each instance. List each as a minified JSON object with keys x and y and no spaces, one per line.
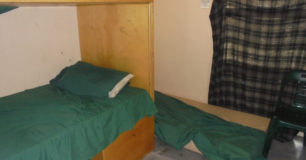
{"x":255,"y":42}
{"x":4,"y":9}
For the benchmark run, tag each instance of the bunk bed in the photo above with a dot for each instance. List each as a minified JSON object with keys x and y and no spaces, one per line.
{"x":116,"y":34}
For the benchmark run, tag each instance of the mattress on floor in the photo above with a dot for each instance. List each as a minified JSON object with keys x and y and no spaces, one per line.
{"x":178,"y":123}
{"x":47,"y":123}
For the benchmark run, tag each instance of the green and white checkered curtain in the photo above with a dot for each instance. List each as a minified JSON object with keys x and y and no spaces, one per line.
{"x":255,"y":42}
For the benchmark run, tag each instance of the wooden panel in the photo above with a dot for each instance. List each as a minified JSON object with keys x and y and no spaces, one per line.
{"x":131,"y":145}
{"x":119,"y":36}
{"x":134,"y":144}
{"x":99,"y":156}
{"x":73,"y":2}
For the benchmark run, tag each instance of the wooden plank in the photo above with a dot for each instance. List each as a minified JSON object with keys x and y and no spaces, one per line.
{"x":134,"y":144}
{"x":151,"y":50}
{"x":118,"y":36}
{"x":70,"y":2}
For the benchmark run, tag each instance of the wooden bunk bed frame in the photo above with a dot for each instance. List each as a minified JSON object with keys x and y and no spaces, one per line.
{"x":116,"y":34}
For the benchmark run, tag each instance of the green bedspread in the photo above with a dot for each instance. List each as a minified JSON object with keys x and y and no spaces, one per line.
{"x":4,"y":9}
{"x":177,"y":123}
{"x":47,"y":123}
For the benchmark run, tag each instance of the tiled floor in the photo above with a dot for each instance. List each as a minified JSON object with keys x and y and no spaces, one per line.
{"x":293,"y":150}
{"x":279,"y":151}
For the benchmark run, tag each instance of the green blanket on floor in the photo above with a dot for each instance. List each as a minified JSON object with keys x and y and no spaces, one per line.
{"x":177,"y":123}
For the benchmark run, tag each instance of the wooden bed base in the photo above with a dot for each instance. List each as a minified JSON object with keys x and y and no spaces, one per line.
{"x":131,"y":145}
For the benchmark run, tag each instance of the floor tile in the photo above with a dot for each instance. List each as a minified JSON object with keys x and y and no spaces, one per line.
{"x":293,"y":150}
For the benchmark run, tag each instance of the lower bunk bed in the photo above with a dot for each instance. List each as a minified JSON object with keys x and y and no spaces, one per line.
{"x":48,"y":123}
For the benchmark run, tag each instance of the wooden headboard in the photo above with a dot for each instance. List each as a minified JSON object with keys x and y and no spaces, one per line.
{"x":115,"y":34}
{"x":119,"y":36}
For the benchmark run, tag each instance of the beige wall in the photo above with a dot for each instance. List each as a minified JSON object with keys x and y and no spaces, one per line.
{"x":35,"y":44}
{"x":183,"y":48}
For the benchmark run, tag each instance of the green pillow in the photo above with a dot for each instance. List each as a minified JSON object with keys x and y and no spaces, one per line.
{"x":88,"y":80}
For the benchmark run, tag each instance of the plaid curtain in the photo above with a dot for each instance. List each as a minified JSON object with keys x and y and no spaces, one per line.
{"x":255,"y":42}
